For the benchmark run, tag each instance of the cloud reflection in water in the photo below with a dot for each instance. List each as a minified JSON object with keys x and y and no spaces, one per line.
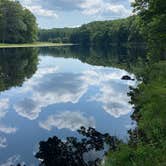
{"x":52,"y":86}
{"x":3,"y":142}
{"x":69,"y":120}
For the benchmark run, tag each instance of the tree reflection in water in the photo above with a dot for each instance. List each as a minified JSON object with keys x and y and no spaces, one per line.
{"x":71,"y":152}
{"x":17,"y":65}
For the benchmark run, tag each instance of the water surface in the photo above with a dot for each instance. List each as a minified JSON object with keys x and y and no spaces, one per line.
{"x":49,"y":92}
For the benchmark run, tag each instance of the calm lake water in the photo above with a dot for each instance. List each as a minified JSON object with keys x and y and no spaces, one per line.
{"x":54,"y":91}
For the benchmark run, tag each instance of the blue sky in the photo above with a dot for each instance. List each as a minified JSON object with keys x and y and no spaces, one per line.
{"x":73,"y":13}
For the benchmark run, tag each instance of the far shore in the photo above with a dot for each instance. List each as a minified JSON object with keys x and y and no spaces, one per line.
{"x":37,"y":44}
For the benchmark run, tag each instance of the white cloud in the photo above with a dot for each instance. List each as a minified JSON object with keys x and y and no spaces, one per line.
{"x":13,"y":160}
{"x":47,"y":89}
{"x":118,"y":9}
{"x":27,"y":1}
{"x":131,"y":1}
{"x":91,"y":7}
{"x":4,"y":105}
{"x":69,"y":120}
{"x":98,"y":75}
{"x":40,"y":11}
{"x":28,"y":108}
{"x":114,"y":98}
{"x":3,"y":142}
{"x":74,"y":26}
{"x":37,"y":9}
{"x":112,"y":91}
{"x":6,"y":129}
{"x":87,"y":7}
{"x":52,"y":85}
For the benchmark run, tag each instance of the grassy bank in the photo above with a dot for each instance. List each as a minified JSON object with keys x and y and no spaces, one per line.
{"x":36,"y":44}
{"x":147,"y":144}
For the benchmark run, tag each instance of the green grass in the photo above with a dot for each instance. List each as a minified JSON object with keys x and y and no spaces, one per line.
{"x":36,"y":44}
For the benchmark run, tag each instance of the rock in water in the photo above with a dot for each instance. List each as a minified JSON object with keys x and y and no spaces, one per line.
{"x":126,"y":77}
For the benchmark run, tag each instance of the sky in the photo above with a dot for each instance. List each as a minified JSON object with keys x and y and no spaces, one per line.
{"x":73,"y":13}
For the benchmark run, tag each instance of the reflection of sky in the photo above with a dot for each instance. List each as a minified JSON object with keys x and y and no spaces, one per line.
{"x":13,"y":160}
{"x":63,"y":95}
{"x":67,"y":119}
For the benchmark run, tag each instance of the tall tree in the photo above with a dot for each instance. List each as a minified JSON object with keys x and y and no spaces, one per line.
{"x":17,"y":24}
{"x":153,"y":14}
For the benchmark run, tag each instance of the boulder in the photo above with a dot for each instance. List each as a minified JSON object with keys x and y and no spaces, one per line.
{"x":126,"y":77}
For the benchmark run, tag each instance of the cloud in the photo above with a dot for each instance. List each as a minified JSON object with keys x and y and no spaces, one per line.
{"x":100,"y":75}
{"x":119,"y":8}
{"x":69,"y":120}
{"x":40,"y":11}
{"x":47,"y":89}
{"x":113,"y":96}
{"x":4,"y":105}
{"x":37,"y":9}
{"x":13,"y":160}
{"x":131,"y":1}
{"x":28,"y":108}
{"x":91,"y":7}
{"x":112,"y":91}
{"x":6,"y":129}
{"x":3,"y":142}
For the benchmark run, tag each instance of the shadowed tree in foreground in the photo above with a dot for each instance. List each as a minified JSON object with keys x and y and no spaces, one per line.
{"x":71,"y":152}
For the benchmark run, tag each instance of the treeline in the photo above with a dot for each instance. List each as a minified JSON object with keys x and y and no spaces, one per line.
{"x":56,"y":35}
{"x":115,"y":32}
{"x":17,"y":24}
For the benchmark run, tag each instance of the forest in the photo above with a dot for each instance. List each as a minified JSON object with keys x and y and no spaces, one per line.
{"x":115,"y":32}
{"x":17,"y":24}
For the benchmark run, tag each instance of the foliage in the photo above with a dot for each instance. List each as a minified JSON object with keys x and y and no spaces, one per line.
{"x":55,"y":35}
{"x":147,"y":143}
{"x":153,"y":19}
{"x":17,"y":24}
{"x":117,"y":32}
{"x":71,"y":151}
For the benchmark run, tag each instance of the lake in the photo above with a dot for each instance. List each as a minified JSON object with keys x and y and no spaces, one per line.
{"x":54,"y":91}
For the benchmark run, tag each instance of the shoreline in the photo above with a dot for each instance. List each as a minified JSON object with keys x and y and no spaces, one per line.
{"x":149,"y":113}
{"x":40,"y":44}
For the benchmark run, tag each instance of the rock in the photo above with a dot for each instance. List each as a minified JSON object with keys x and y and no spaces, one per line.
{"x":126,"y":77}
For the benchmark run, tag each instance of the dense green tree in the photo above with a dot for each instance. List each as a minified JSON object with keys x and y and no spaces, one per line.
{"x":153,"y":16}
{"x":56,"y":35}
{"x":115,"y":32}
{"x":17,"y":24}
